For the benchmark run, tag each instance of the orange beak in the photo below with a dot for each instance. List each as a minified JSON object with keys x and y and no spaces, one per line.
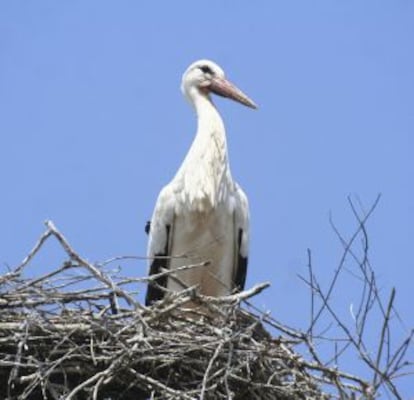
{"x":225,"y":88}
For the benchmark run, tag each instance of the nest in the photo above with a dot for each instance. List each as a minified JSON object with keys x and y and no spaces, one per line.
{"x":79,"y":332}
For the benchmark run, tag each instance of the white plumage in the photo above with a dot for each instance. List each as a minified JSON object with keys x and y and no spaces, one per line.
{"x":202,"y":214}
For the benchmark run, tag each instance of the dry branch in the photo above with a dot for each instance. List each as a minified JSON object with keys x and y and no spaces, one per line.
{"x":79,"y":332}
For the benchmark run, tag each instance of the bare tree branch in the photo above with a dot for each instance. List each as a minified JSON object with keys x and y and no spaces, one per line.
{"x":78,"y":331}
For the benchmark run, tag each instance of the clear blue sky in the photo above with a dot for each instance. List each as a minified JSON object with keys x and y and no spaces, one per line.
{"x":93,"y":124}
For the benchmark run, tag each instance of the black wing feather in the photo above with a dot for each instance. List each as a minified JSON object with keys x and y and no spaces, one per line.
{"x":241,"y":268}
{"x":154,"y":293}
{"x":147,"y":227}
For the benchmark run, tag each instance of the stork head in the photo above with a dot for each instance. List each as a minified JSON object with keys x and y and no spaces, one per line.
{"x":205,"y":77}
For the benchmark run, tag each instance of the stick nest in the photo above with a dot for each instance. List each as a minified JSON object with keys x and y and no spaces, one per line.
{"x":79,"y":332}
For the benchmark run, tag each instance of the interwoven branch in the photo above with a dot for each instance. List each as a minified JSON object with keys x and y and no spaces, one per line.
{"x":79,"y":332}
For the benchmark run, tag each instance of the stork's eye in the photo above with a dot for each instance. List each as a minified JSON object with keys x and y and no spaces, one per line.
{"x":206,"y":69}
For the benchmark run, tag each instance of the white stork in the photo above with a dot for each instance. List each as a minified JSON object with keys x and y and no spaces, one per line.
{"x":202,"y":214}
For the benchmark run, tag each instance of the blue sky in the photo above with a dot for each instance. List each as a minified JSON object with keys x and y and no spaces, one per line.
{"x":93,"y":124}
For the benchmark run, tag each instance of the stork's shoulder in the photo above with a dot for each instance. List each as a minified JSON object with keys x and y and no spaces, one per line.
{"x":162,"y":217}
{"x":241,"y":198}
{"x":166,"y":201}
{"x":170,"y":199}
{"x":242,"y":208}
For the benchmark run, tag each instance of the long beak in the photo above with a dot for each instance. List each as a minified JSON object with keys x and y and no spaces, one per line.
{"x":225,"y":88}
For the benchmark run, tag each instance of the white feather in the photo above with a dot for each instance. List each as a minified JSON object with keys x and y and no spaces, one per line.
{"x":203,"y":206}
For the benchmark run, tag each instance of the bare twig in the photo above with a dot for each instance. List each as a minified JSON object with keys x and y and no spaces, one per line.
{"x":77,"y":332}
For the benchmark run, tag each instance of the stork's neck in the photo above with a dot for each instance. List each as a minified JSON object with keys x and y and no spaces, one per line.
{"x":209,"y":121}
{"x":205,"y":169}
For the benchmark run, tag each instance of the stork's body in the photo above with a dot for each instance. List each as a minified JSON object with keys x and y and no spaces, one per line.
{"x":202,"y":214}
